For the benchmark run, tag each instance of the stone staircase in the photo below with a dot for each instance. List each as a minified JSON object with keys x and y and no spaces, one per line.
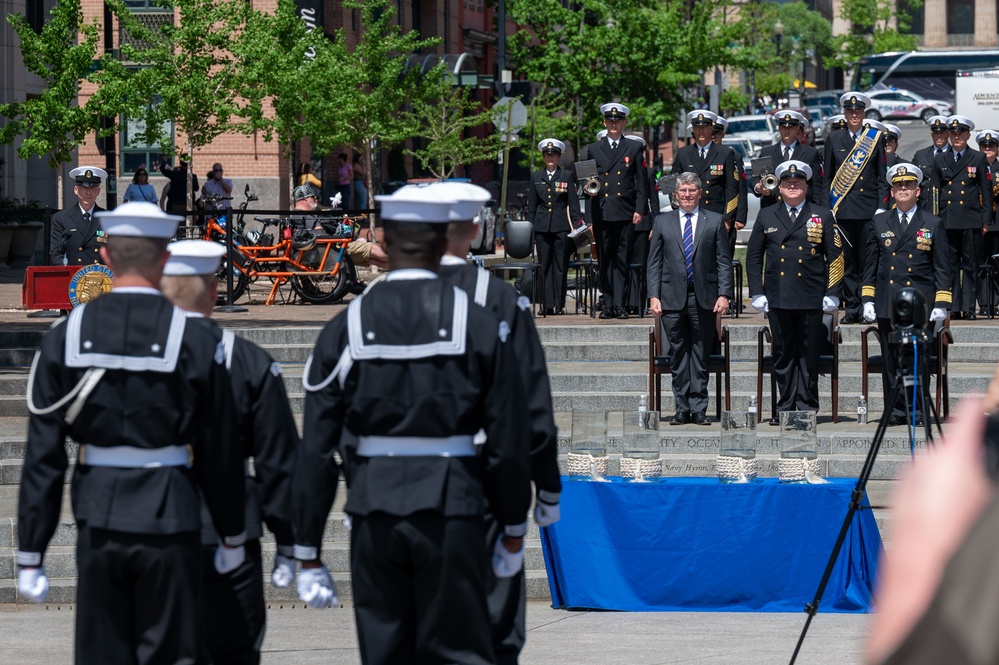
{"x":592,"y":367}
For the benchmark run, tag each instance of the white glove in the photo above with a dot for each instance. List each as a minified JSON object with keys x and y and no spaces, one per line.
{"x":830,"y":304}
{"x":938,"y":314}
{"x":546,"y":514}
{"x":33,"y":584}
{"x":284,"y":572}
{"x":507,"y":564}
{"x":869,"y":313}
{"x":879,"y":211}
{"x":228,"y":559}
{"x":315,"y":588}
{"x":760,"y":304}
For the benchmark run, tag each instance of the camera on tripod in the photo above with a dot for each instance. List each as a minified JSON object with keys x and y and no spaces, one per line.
{"x":909,"y":318}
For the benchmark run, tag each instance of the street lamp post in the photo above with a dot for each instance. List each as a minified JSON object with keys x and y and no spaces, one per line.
{"x":778,"y":38}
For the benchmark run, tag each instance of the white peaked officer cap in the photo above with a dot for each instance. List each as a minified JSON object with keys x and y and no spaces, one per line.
{"x":987,"y":136}
{"x":551,"y":145}
{"x":793,"y":169}
{"x":854,"y":100}
{"x":788,"y":118}
{"x":938,"y":123}
{"x":903,"y":172}
{"x":880,"y":126}
{"x":701,"y":118}
{"x":960,"y":122}
{"x":602,"y":134}
{"x":414,"y":203}
{"x":893,"y":130}
{"x":721,"y":124}
{"x":637,"y":139}
{"x":193,"y":257}
{"x":614,"y":110}
{"x":839,"y":117}
{"x":138,"y":219}
{"x":90,"y":176}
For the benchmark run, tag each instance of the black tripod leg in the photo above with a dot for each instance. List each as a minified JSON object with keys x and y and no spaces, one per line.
{"x":856,"y":496}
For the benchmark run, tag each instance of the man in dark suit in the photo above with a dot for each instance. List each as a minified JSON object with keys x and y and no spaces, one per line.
{"x":742,"y":208}
{"x":553,"y":208}
{"x":638,"y":239}
{"x":924,"y":157}
{"x":690,"y":280}
{"x":964,"y":184}
{"x":904,"y":247}
{"x":789,"y":124}
{"x":854,"y":195}
{"x":76,"y":236}
{"x":713,"y":164}
{"x":804,"y":275}
{"x":616,"y":206}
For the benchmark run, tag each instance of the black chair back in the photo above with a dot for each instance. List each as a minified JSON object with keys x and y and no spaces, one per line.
{"x":519,"y":240}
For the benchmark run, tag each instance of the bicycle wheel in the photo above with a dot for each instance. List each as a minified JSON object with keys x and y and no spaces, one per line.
{"x":326,"y":288}
{"x":240,"y":279}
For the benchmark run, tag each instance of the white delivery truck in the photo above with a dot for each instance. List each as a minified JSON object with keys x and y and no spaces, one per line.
{"x":976,"y":96}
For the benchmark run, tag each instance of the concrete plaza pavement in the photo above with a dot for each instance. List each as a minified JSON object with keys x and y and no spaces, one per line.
{"x":41,"y":635}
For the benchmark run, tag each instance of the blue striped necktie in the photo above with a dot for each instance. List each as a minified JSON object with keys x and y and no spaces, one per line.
{"x":688,"y":247}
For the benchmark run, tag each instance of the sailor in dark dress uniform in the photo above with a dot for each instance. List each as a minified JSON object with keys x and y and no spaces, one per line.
{"x":76,"y":238}
{"x":964,"y":185}
{"x":905,"y":247}
{"x":803,"y":279}
{"x":789,"y":126}
{"x":553,"y":209}
{"x":638,"y":240}
{"x":988,"y":143}
{"x":892,"y":134}
{"x":924,"y":157}
{"x":742,"y":208}
{"x":507,"y":595}
{"x":411,"y":372}
{"x":234,"y":609}
{"x":147,"y":397}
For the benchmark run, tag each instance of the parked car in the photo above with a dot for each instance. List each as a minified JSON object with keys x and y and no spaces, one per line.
{"x":757,"y":128}
{"x":823,"y":98}
{"x":819,"y":115}
{"x":899,"y":103}
{"x":743,"y":147}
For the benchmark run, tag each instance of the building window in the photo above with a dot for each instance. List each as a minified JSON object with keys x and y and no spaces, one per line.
{"x":35,"y":13}
{"x":961,"y":17}
{"x":134,"y":151}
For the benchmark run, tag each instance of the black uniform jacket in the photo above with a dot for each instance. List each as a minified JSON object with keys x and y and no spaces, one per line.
{"x":870,"y":190}
{"x":165,"y":384}
{"x":500,"y":298}
{"x":268,"y":434}
{"x":712,"y":261}
{"x":550,"y":204}
{"x":385,"y":368}
{"x":965,"y":189}
{"x":803,"y":153}
{"x":804,"y":261}
{"x":719,"y":177}
{"x":923,"y":158}
{"x":994,"y":170}
{"x":742,"y":209}
{"x":625,"y":184}
{"x":916,"y":256}
{"x":75,"y":238}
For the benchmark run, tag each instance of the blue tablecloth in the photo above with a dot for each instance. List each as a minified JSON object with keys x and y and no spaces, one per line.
{"x":697,"y":544}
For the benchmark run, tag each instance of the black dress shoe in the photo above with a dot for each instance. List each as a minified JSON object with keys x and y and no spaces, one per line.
{"x":850,"y":318}
{"x":957,"y":316}
{"x":560,"y":310}
{"x":896,"y":419}
{"x":681,"y":418}
{"x":622,"y":313}
{"x":970,"y":316}
{"x":701,"y":419}
{"x":608,"y":313}
{"x":775,"y":421}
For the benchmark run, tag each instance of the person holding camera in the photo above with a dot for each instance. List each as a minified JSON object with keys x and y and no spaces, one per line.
{"x":904,"y":247}
{"x":803,"y":279}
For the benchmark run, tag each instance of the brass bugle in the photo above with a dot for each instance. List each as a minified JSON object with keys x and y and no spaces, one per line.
{"x":769,"y":182}
{"x":593,"y":186}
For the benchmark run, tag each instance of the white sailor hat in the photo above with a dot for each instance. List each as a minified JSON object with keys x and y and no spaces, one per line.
{"x":960,"y":123}
{"x":987,"y":136}
{"x":193,"y":257}
{"x":721,"y":124}
{"x":854,"y":100}
{"x":615,"y":111}
{"x":793,"y":168}
{"x":636,"y":138}
{"x":701,"y":118}
{"x":602,"y":134}
{"x":837,"y":119}
{"x":138,"y":219}
{"x":788,"y":118}
{"x":88,"y":176}
{"x":876,"y":124}
{"x":893,"y":131}
{"x":938,"y":123}
{"x":551,"y":145}
{"x":468,"y":198}
{"x":903,"y":172}
{"x":418,"y":203}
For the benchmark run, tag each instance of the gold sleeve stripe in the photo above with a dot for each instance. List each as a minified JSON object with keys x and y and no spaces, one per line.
{"x":836,"y":271}
{"x":867,"y":292}
{"x":732,"y":205}
{"x":944,"y":296}
{"x":837,"y":238}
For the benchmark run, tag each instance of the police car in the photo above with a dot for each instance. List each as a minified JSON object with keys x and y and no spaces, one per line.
{"x":897,"y":103}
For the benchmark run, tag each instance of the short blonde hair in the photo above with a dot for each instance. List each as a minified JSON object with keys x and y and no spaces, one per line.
{"x":193,"y":293}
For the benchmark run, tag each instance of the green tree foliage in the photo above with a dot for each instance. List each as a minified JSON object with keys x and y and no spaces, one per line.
{"x":733,"y":102}
{"x":445,"y":117}
{"x":870,"y":30}
{"x":53,"y":124}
